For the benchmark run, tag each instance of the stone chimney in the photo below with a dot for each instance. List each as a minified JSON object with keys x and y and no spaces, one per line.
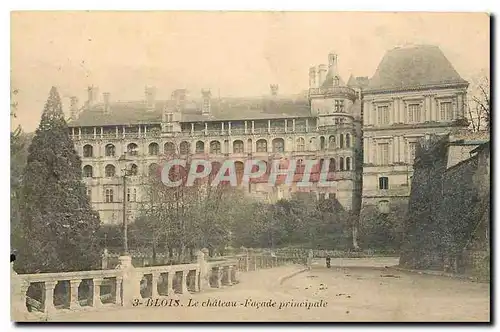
{"x":206,"y":105}
{"x":150,"y":94}
{"x":312,"y":78}
{"x":73,"y":107}
{"x":274,"y":89}
{"x":332,"y":61}
{"x":105,"y":98}
{"x":321,"y":74}
{"x":92,"y":95}
{"x":179,"y":96}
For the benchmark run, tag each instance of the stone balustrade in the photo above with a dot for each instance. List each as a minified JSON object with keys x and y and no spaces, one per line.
{"x":35,"y":296}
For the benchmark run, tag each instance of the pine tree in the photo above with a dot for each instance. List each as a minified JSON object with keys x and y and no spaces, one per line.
{"x":58,"y":221}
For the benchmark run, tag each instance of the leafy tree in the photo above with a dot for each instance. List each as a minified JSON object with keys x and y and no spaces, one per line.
{"x":59,"y":225}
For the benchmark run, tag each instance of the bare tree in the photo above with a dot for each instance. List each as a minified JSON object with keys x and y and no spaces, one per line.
{"x":479,"y":106}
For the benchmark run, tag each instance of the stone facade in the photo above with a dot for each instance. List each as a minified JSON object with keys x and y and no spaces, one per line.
{"x":324,"y":126}
{"x":368,"y":128}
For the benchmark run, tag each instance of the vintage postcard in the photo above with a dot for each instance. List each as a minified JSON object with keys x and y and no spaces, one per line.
{"x":250,"y":166}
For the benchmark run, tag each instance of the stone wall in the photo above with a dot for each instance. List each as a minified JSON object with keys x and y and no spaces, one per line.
{"x":445,"y":210}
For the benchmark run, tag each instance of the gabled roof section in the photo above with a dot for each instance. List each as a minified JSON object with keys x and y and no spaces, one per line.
{"x":414,"y":67}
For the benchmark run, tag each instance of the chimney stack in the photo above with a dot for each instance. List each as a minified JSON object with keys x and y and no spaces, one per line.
{"x":150,"y":93}
{"x":206,"y":107}
{"x":74,"y":107}
{"x":332,"y":61}
{"x":105,"y":97}
{"x":312,"y":77}
{"x":321,"y":74}
{"x":93,"y":95}
{"x":274,"y":90}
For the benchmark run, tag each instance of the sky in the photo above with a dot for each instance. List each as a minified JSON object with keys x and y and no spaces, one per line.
{"x":231,"y":53}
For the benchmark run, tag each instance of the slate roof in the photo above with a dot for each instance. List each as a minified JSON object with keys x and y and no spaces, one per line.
{"x":414,"y":67}
{"x":136,"y":112}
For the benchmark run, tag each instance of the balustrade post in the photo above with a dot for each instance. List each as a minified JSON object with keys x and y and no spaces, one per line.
{"x":170,"y":283}
{"x":184,"y":288}
{"x":229,"y":271}
{"x":197,"y":280}
{"x":96,"y":298}
{"x":204,"y":269}
{"x":73,"y":302}
{"x":154,"y":284}
{"x":18,"y":289}
{"x":48,"y":302}
{"x":218,"y":276}
{"x":131,"y":281}
{"x":247,"y":262}
{"x":118,"y":295}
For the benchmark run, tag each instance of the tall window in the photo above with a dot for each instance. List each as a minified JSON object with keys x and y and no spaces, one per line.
{"x":238,"y":147}
{"x":383,"y":153}
{"x":347,"y":163}
{"x":132,"y":149}
{"x":109,"y":196}
{"x":133,"y":170}
{"x":383,"y":115}
{"x":109,"y":171}
{"x":383,"y":182}
{"x":184,"y":148}
{"x":169,"y":148}
{"x":347,"y":140}
{"x":301,"y":144}
{"x":278,"y":145}
{"x":131,"y":194}
{"x":154,"y":149}
{"x":331,"y":143}
{"x":200,"y":147}
{"x":215,"y":147}
{"x":446,"y":110}
{"x":414,"y":113}
{"x":87,"y":151}
{"x":110,"y":150}
{"x":332,"y":165}
{"x":411,"y":151}
{"x":87,"y":171}
{"x":341,"y":143}
{"x":339,"y":106}
{"x":261,"y":145}
{"x":322,"y":143}
{"x":341,"y":164}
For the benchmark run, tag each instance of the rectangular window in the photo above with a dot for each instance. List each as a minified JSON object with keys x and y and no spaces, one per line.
{"x":414,"y":113}
{"x":170,"y":117}
{"x":383,"y":182}
{"x":339,"y":106}
{"x":109,"y":196}
{"x":446,"y":111}
{"x":411,"y":151}
{"x":383,"y":115}
{"x":383,"y":154}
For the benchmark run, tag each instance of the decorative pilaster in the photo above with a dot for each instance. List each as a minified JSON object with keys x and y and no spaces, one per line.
{"x":286,"y":125}
{"x":246,"y":128}
{"x":268,"y":126}
{"x":222,"y":128}
{"x":293,"y":125}
{"x":206,"y":128}
{"x":116,"y":132}
{"x":79,"y":133}
{"x":95,"y":132}
{"x":123,"y":132}
{"x":102,"y":132}
{"x":307,"y":125}
{"x":184,"y":288}
{"x":229,"y":127}
{"x":253,"y":127}
{"x":192,"y":128}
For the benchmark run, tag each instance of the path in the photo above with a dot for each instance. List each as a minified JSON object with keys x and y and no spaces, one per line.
{"x":360,"y":290}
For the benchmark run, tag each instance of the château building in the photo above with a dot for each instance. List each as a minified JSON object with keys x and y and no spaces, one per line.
{"x":365,"y":128}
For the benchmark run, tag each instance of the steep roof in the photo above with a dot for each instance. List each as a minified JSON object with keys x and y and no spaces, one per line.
{"x":414,"y":67}
{"x":136,"y":112}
